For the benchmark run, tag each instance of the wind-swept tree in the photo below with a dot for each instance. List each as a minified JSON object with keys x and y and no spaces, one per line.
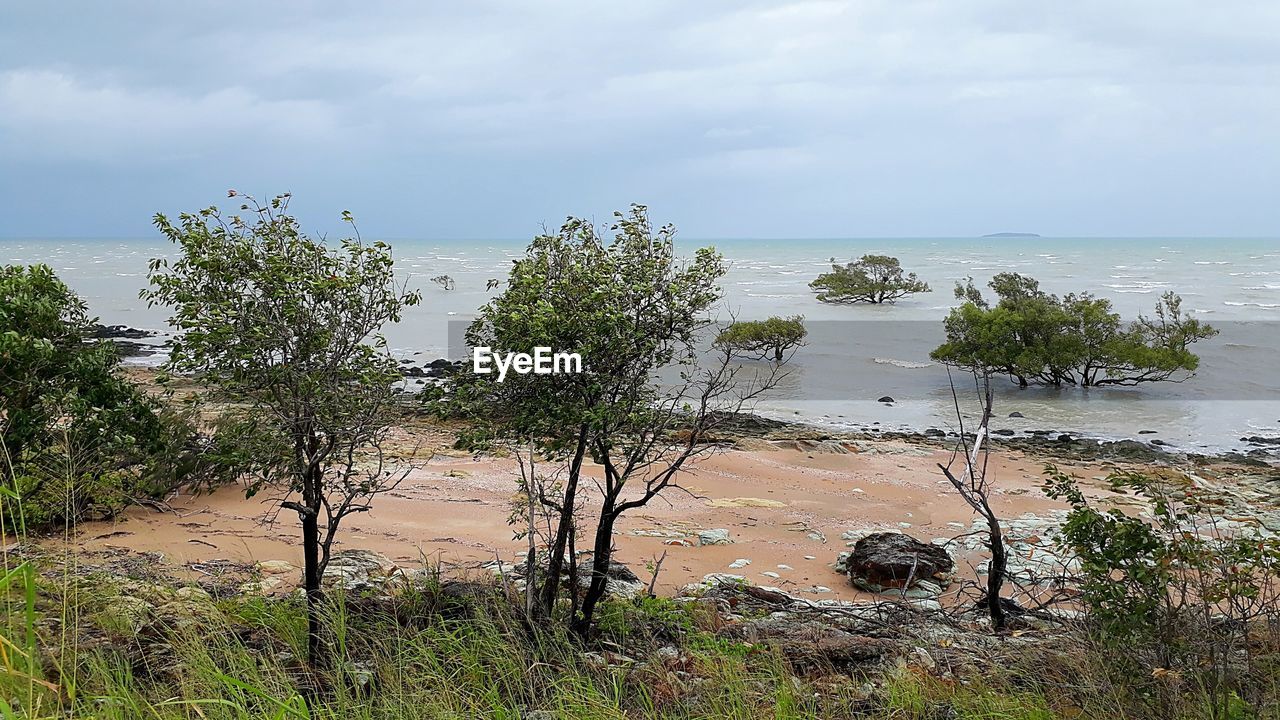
{"x":647,"y":398}
{"x":771,"y":337}
{"x":871,"y":279}
{"x":285,"y":329}
{"x":1035,"y":337}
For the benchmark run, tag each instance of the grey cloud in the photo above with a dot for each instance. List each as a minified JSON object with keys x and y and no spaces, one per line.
{"x":728,"y":118}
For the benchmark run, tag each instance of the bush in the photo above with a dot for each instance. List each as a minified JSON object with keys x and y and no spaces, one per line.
{"x":77,"y":439}
{"x":1170,"y":597}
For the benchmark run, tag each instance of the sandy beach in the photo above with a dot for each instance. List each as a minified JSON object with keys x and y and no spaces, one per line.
{"x":789,"y":507}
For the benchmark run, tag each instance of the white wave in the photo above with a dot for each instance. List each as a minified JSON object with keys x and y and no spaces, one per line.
{"x":1251,"y":304}
{"x":902,"y":363}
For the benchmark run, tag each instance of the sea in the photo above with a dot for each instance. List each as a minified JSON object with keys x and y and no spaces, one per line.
{"x":858,"y":354}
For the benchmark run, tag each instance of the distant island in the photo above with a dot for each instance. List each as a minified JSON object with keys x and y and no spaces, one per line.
{"x":1000,"y":235}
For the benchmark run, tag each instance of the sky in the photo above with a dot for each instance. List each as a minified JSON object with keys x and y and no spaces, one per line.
{"x":490,"y":119}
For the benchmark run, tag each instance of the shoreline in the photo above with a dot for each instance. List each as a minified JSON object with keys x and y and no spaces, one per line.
{"x":791,"y":497}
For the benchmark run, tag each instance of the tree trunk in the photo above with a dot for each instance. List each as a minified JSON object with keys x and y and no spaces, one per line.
{"x":311,"y":585}
{"x":995,"y":572}
{"x":600,"y":558}
{"x":555,"y":564}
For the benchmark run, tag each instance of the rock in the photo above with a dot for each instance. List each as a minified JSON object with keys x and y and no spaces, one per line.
{"x":620,"y":581}
{"x":714,"y":537}
{"x":117,"y":332}
{"x":889,"y":560}
{"x":276,"y":567}
{"x":1146,"y":432}
{"x":1006,"y":432}
{"x":739,"y":563}
{"x":1016,"y":414}
{"x":934,"y":433}
{"x":269,"y":585}
{"x":358,"y":570}
{"x":885,"y":399}
{"x":812,"y":645}
{"x":921,"y":658}
{"x":771,"y":575}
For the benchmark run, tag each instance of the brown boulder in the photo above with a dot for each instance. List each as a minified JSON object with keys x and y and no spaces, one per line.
{"x":895,"y":560}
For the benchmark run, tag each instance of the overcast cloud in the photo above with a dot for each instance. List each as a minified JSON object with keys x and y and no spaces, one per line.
{"x":484,"y":119}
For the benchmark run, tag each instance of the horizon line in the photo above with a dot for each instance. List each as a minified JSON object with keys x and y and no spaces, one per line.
{"x":385,"y":238}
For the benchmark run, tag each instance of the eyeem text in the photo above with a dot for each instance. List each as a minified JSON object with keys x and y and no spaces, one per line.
{"x":542,"y":362}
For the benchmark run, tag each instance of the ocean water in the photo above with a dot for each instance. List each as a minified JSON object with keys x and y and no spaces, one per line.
{"x":857,"y":354}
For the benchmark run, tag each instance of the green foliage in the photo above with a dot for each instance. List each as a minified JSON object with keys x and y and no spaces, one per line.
{"x":278,"y":321}
{"x":77,"y":439}
{"x":628,"y":306}
{"x":634,"y":312}
{"x":1038,"y":338}
{"x":871,"y":279}
{"x":1166,"y":590}
{"x":286,"y":330}
{"x":764,"y":338}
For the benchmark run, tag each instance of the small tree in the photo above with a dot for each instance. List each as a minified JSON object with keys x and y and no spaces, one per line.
{"x":872,"y":279}
{"x":974,"y":487}
{"x":286,"y":330}
{"x":1038,"y":338}
{"x":764,"y":338}
{"x":76,"y":437}
{"x":645,"y":402}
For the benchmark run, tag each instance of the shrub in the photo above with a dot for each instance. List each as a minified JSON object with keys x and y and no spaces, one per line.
{"x":1169,"y":595}
{"x":77,"y":439}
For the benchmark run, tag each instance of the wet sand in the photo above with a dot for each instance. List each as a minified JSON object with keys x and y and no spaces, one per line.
{"x":780,"y":505}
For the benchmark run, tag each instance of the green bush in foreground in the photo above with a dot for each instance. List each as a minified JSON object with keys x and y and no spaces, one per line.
{"x":77,"y":439}
{"x":1171,"y":597}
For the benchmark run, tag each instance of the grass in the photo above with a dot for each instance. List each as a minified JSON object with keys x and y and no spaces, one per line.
{"x":116,"y":648}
